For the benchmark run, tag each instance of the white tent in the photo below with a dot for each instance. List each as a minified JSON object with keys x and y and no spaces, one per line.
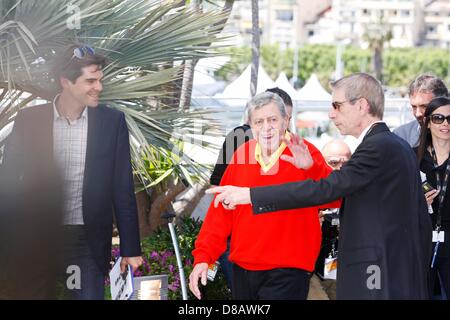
{"x":238,"y":92}
{"x":204,"y":84}
{"x":282,"y":82}
{"x":312,"y":96}
{"x":313,"y":90}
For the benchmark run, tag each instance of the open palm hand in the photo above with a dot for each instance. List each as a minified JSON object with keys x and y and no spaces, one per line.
{"x":301,"y":157}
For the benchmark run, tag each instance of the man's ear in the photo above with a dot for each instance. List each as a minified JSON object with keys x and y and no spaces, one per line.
{"x":64,"y":82}
{"x":286,"y":119}
{"x":364,"y":105}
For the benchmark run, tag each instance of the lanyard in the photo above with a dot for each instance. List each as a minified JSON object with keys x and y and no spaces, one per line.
{"x":441,"y":185}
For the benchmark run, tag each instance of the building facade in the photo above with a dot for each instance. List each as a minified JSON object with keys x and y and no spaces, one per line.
{"x":291,"y":23}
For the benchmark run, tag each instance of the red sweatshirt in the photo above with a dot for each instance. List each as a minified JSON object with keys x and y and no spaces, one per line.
{"x":282,"y":239}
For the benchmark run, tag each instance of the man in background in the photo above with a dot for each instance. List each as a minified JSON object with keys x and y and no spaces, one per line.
{"x":336,"y":153}
{"x":421,"y":91}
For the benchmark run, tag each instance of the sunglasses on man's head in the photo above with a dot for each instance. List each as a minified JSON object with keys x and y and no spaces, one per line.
{"x":439,"y":118}
{"x":335,"y":161}
{"x":82,"y":52}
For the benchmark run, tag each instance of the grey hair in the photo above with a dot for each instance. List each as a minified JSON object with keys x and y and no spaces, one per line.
{"x":428,"y":83}
{"x":262,"y":99}
{"x":363,"y":85}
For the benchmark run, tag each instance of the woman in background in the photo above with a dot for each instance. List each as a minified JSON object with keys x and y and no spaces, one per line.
{"x":433,"y":154}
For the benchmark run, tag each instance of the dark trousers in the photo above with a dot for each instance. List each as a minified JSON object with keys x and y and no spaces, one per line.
{"x":227,"y":266}
{"x":275,"y":284}
{"x":440,"y":274}
{"x":78,"y":257}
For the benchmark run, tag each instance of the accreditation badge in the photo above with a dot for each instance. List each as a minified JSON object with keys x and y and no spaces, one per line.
{"x":438,"y":236}
{"x":212,"y":270}
{"x":330,"y":268}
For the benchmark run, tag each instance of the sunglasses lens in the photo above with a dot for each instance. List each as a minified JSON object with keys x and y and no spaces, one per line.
{"x":437,"y":118}
{"x":79,"y":53}
{"x":89,"y":50}
{"x":335,"y":161}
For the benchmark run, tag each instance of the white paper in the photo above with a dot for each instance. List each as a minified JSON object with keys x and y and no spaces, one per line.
{"x":121,"y":283}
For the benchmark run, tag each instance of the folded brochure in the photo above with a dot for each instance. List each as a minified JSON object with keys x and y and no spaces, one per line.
{"x":121,"y":283}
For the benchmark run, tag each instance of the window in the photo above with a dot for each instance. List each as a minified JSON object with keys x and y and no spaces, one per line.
{"x":285,"y":15}
{"x":347,"y":14}
{"x":311,"y":32}
{"x":431,"y":29}
{"x":405,"y":13}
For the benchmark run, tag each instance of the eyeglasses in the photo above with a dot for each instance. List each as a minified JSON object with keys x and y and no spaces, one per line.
{"x":335,"y":161}
{"x":337,"y":104}
{"x":439,"y":118}
{"x":82,"y":52}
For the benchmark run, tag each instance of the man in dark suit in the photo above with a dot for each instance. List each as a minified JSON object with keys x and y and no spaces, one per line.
{"x":83,"y":149}
{"x":385,"y":230}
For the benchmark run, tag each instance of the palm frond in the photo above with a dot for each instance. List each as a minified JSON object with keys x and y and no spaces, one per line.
{"x":141,"y":38}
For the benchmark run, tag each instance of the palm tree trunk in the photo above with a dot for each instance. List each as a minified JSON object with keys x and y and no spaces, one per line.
{"x":189,"y":65}
{"x":255,"y":47}
{"x":378,"y":63}
{"x":188,"y":73}
{"x":188,"y":82}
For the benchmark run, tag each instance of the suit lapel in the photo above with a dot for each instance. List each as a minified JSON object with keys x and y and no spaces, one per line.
{"x":377,"y":128}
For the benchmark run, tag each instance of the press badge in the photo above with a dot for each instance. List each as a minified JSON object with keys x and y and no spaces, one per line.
{"x":212,"y":270}
{"x":438,"y":236}
{"x":330,"y":268}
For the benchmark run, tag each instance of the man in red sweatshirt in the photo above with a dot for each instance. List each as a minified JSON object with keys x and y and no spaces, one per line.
{"x":273,"y":254}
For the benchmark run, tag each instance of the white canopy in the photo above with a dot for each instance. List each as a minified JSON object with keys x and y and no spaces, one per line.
{"x":313,"y":90}
{"x":282,"y":82}
{"x":204,"y":84}
{"x":240,"y":88}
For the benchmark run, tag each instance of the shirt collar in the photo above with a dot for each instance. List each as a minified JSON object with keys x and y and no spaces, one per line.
{"x":57,"y":116}
{"x":274,"y":156}
{"x":365,"y":131}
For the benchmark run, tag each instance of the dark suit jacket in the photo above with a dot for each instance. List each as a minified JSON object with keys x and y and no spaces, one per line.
{"x":237,"y":137}
{"x":384,"y":219}
{"x":108,"y":182}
